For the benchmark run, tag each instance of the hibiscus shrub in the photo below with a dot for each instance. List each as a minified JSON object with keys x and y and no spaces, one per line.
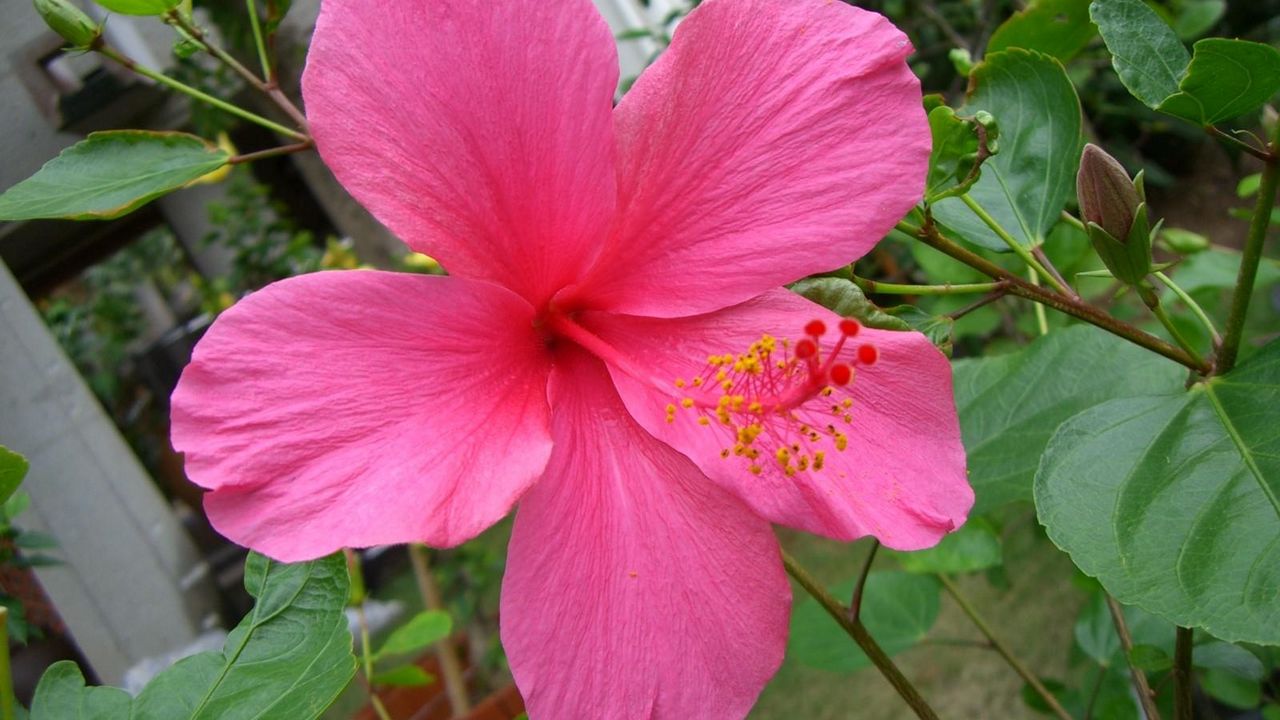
{"x":653,"y":344}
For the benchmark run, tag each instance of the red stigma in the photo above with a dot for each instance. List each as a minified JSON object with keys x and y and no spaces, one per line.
{"x":841,"y":374}
{"x":815,"y":328}
{"x":850,"y":327}
{"x":868,"y":354}
{"x":806,"y":349}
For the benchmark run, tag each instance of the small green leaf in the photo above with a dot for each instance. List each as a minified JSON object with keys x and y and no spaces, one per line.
{"x":1173,"y":501}
{"x":1150,"y":658}
{"x":32,"y":540}
{"x":62,"y":695}
{"x":1060,"y":28}
{"x":975,"y":546}
{"x":110,"y":174}
{"x":1271,"y":712}
{"x":276,"y":11}
{"x":424,"y":629}
{"x":1010,"y":405}
{"x":139,"y":7}
{"x":1095,"y":631}
{"x":403,"y":676}
{"x":1145,"y":52}
{"x":288,"y":659}
{"x":16,"y":505}
{"x":1249,"y":185}
{"x":13,"y":468}
{"x":1226,"y":79}
{"x":847,"y":299}
{"x":1231,"y":690}
{"x":960,"y":146}
{"x":1026,"y":185}
{"x":898,"y":610}
{"x":940,"y":329}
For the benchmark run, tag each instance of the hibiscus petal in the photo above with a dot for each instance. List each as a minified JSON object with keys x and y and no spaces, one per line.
{"x":636,"y":588}
{"x":902,"y":476}
{"x":357,"y":408}
{"x":774,"y":139}
{"x":479,"y":132}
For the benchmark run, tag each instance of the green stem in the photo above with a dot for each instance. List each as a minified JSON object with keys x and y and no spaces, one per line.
{"x":366,"y":659}
{"x":252,"y":7}
{"x":267,"y":87}
{"x":883,"y":288}
{"x":1079,"y":309}
{"x":855,"y":603}
{"x":198,"y":95}
{"x":1182,"y":700}
{"x":1005,"y":652}
{"x":1239,"y":144}
{"x":271,"y":152}
{"x":1158,"y":310}
{"x":859,"y":633}
{"x":1013,"y":244}
{"x":1042,"y":321}
{"x":1140,"y":684}
{"x":6,"y":676}
{"x":1073,"y":221}
{"x":1192,"y":304}
{"x":1251,"y":257}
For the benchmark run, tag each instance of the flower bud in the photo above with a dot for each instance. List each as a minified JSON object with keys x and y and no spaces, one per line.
{"x":69,"y":21}
{"x":1114,"y":211}
{"x":1107,"y":196}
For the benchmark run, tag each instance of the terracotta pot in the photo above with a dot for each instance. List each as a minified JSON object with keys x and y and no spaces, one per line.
{"x":429,"y":702}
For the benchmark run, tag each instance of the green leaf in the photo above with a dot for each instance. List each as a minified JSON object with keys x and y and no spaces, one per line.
{"x":847,"y":299}
{"x":1095,"y":631}
{"x":1150,"y":658}
{"x":403,"y":676}
{"x":975,"y":546}
{"x":898,"y":610}
{"x":1218,"y":655}
{"x":13,"y":468}
{"x":940,"y":329}
{"x":1026,"y":185}
{"x":1197,"y":17}
{"x":139,"y":7}
{"x":1010,"y":405}
{"x":288,"y":659}
{"x":1226,"y":79}
{"x":1060,"y":28}
{"x":32,"y":540}
{"x":1145,"y":52}
{"x":1249,"y":185}
{"x":276,"y":11}
{"x":62,"y":695}
{"x":424,"y":629}
{"x":1173,"y":501}
{"x":960,"y":146}
{"x":110,"y":174}
{"x":1231,"y":689}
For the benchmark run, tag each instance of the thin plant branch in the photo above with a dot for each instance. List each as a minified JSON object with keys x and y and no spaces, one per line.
{"x":1190,"y":302}
{"x":1039,"y":254}
{"x":1140,"y":684}
{"x":999,"y":293}
{"x":859,"y":633}
{"x":1183,"y":702}
{"x":251,"y":7}
{"x":855,"y":603}
{"x":189,"y":91}
{"x":272,"y":152}
{"x":1260,"y":153}
{"x":883,"y":288}
{"x":929,"y":235}
{"x":967,"y":608}
{"x":454,"y":684}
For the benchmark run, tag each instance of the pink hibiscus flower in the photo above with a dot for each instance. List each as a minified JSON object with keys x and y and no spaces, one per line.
{"x":611,"y":348}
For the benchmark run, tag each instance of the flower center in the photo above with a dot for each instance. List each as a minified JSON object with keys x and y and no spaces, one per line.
{"x":780,"y":402}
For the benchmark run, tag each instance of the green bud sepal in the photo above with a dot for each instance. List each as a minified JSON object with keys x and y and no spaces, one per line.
{"x":1129,"y":260}
{"x":70,"y":22}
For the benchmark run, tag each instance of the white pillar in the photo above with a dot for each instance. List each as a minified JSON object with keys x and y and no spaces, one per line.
{"x":132,"y":585}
